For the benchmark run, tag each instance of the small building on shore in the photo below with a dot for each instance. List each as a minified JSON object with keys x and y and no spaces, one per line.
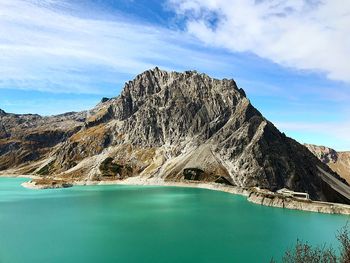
{"x":290,"y":193}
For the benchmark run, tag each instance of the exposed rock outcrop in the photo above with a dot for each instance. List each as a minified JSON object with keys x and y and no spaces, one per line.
{"x":339,"y":162}
{"x":46,"y":184}
{"x":281,"y":201}
{"x":325,"y":154}
{"x":172,"y":126}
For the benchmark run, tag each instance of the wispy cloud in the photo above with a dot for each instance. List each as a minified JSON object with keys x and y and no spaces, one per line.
{"x":47,"y":48}
{"x":307,"y":35}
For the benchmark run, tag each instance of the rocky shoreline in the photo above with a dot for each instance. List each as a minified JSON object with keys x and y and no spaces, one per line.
{"x":52,"y":184}
{"x":254,"y":195}
{"x":276,"y":200}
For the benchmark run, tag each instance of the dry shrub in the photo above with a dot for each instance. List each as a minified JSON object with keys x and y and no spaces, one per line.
{"x":303,"y":252}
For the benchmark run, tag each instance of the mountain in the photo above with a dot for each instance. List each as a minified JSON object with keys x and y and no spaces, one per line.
{"x":339,"y":162}
{"x":170,"y":126}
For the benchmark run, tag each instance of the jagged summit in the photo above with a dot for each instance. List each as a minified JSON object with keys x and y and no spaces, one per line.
{"x":168,"y":126}
{"x":154,"y":80}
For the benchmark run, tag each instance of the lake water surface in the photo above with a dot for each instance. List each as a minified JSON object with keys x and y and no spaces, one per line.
{"x":148,"y":224}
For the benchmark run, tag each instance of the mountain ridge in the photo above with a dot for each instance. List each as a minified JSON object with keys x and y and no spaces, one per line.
{"x":338,"y":161}
{"x":171,"y":126}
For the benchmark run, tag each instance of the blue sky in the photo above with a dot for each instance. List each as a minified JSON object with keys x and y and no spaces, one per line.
{"x":290,"y":56}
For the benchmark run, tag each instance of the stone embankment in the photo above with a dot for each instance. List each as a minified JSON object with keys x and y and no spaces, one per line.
{"x":276,"y":200}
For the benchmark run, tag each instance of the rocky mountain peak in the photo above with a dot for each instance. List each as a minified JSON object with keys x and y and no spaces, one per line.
{"x":155,"y":80}
{"x":167,"y":126}
{"x":2,"y":112}
{"x":160,"y":106}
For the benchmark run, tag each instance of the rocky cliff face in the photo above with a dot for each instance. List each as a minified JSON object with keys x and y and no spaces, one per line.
{"x":339,"y":162}
{"x":166,"y":125}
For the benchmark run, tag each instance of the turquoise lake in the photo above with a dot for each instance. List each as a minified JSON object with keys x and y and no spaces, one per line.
{"x":148,"y":224}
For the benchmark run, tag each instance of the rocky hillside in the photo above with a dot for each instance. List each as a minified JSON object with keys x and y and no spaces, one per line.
{"x":26,"y":138}
{"x":339,"y":162}
{"x":170,"y":126}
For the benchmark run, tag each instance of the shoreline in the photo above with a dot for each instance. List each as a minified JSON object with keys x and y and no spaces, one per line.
{"x":253,"y":195}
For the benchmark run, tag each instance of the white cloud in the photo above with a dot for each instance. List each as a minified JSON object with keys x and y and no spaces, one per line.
{"x":303,"y":34}
{"x":43,"y":47}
